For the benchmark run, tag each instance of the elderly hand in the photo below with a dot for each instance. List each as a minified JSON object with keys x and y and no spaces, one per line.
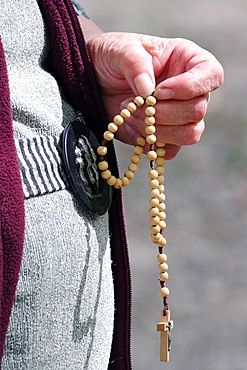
{"x":181,"y":73}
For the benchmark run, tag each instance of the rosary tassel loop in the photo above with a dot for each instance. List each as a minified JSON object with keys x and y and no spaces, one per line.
{"x":156,"y":157}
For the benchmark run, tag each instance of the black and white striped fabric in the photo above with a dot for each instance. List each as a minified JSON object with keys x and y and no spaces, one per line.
{"x":40,"y":165}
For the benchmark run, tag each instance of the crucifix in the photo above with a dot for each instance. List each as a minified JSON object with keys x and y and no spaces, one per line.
{"x":164,"y":327}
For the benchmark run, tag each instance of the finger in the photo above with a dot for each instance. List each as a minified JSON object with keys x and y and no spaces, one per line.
{"x":204,"y":76}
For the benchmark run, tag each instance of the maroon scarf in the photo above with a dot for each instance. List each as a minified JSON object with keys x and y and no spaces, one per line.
{"x":72,"y":67}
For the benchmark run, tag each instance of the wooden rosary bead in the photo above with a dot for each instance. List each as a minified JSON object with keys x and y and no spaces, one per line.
{"x":129,"y":174}
{"x":161,"y":206}
{"x":161,"y":179}
{"x":154,"y":183}
{"x":125,"y":181}
{"x":154,"y":211}
{"x":151,"y":155}
{"x":160,"y":161}
{"x":132,"y":107}
{"x":139,"y":101}
{"x":106,"y":174}
{"x":133,"y":167}
{"x":162,"y":224}
{"x":163,"y":276}
{"x":150,"y":130}
{"x":153,"y":174}
{"x":154,"y":220}
{"x":138,"y":149}
{"x":163,"y":266}
{"x":161,"y":188}
{"x":135,"y":159}
{"x":150,"y":121}
{"x":160,"y":170}
{"x":164,"y":292}
{"x":161,"y":197}
{"x":118,"y":184}
{"x":155,"y":229}
{"x":141,"y":141}
{"x":150,"y":111}
{"x":160,"y":152}
{"x":150,"y":139}
{"x":102,"y":150}
{"x":125,"y":113}
{"x":154,"y":202}
{"x":162,"y":257}
{"x":112,"y":127}
{"x":160,"y":144}
{"x":151,"y":100}
{"x":118,"y":120}
{"x":108,"y":135}
{"x":111,"y":181}
{"x":154,"y":193}
{"x":103,"y":165}
{"x":162,"y":216}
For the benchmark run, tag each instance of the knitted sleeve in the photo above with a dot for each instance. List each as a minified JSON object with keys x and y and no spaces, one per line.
{"x":80,"y":10}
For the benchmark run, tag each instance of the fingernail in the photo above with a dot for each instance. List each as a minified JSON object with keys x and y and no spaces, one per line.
{"x":164,"y":94}
{"x":144,"y":84}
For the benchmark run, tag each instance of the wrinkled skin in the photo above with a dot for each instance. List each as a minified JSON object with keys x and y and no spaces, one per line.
{"x":181,"y":73}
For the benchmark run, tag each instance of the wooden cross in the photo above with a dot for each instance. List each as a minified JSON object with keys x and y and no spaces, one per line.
{"x":165,"y":327}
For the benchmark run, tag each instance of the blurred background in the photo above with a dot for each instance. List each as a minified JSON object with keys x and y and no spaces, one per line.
{"x":206,"y":188}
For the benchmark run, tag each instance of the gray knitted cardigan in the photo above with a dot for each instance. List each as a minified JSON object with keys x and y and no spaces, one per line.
{"x":71,"y":65}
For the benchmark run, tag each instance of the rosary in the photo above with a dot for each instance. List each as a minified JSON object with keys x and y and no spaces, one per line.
{"x":157,"y":213}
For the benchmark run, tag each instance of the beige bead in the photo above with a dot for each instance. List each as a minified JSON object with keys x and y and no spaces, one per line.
{"x":141,"y":141}
{"x":118,"y":184}
{"x":150,"y":130}
{"x":154,"y":211}
{"x":162,"y":224}
{"x":162,"y":242}
{"x":160,"y":161}
{"x":151,"y":155}
{"x":162,"y":216}
{"x":111,"y":181}
{"x":108,"y":135}
{"x":163,"y":276}
{"x":154,"y":220}
{"x":161,"y":197}
{"x":106,"y":174}
{"x":131,"y":107}
{"x":161,"y":188}
{"x":151,"y":100}
{"x":139,"y":101}
{"x":112,"y":127}
{"x":138,"y":150}
{"x":160,"y":170}
{"x":152,"y":174}
{"x":150,"y":139}
{"x":163,"y":266}
{"x":154,"y":183}
{"x":161,"y":206}
{"x":125,"y":181}
{"x":102,"y":150}
{"x":133,"y":167}
{"x":155,"y":229}
{"x":154,"y":202}
{"x":160,"y":144}
{"x":118,"y":120}
{"x":150,"y":121}
{"x":161,"y":179}
{"x":103,"y":165}
{"x":154,"y":193}
{"x":156,"y":237}
{"x":129,"y":174}
{"x":135,"y":159}
{"x":160,"y":152}
{"x":125,"y":113}
{"x":162,"y":257}
{"x":164,"y":292}
{"x":150,"y":111}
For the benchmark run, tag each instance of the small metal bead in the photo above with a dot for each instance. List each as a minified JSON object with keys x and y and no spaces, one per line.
{"x":138,"y":150}
{"x":163,"y":276}
{"x":103,"y":165}
{"x":118,"y":120}
{"x":153,"y":174}
{"x":125,"y":181}
{"x":108,"y":135}
{"x":154,"y":202}
{"x":112,"y":127}
{"x":154,"y":183}
{"x":133,"y":167}
{"x":129,"y":174}
{"x":150,"y":121}
{"x":111,"y":181}
{"x":151,"y":155}
{"x":151,"y":100}
{"x":141,"y":141}
{"x":150,"y":139}
{"x":150,"y":130}
{"x":162,"y":257}
{"x":125,"y":113}
{"x":163,"y":266}
{"x":106,"y":174}
{"x":160,"y":170}
{"x":160,"y":161}
{"x":139,"y":101}
{"x":118,"y":184}
{"x":102,"y":150}
{"x":131,"y":107}
{"x":135,"y":159}
{"x":150,"y":111}
{"x":164,"y":292}
{"x":160,"y":152}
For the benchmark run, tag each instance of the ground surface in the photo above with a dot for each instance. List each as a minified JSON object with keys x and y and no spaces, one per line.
{"x":206,"y":190}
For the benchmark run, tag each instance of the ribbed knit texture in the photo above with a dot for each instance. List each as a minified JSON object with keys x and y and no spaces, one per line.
{"x":63,"y":313}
